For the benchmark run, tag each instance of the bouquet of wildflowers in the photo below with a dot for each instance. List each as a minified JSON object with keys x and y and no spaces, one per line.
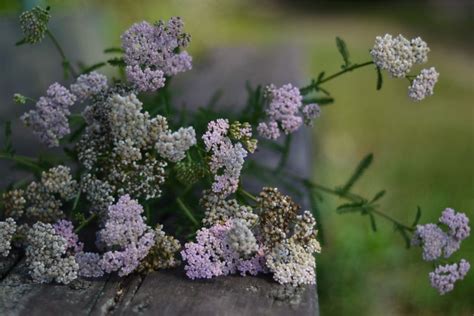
{"x":132,"y":161}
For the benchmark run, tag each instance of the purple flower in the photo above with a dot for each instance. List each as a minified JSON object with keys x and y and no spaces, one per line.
{"x":310,"y":112}
{"x":433,"y":240}
{"x":284,"y":106}
{"x":145,"y":79}
{"x":212,"y":256}
{"x":269,"y":130}
{"x":125,"y":236}
{"x":152,"y":51}
{"x":49,"y":120}
{"x":444,"y":277}
{"x":216,"y":133}
{"x":88,"y":85}
{"x":89,"y":266}
{"x":458,"y":224}
{"x":65,"y":229}
{"x":227,"y":158}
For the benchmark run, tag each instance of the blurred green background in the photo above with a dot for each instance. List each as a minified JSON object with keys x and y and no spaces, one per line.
{"x":424,"y":152}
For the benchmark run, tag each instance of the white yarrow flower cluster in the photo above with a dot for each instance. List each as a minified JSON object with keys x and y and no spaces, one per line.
{"x":397,"y":54}
{"x":46,"y":256}
{"x":7,"y":230}
{"x":173,"y":146}
{"x":423,"y":85}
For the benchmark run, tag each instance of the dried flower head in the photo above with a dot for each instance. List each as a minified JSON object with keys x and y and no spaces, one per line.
{"x":34,"y":24}
{"x":162,"y":254}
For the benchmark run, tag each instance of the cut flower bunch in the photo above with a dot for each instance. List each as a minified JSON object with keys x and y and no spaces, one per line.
{"x":132,"y":161}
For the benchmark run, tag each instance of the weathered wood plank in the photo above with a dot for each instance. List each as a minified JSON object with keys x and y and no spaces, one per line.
{"x":169,"y":292}
{"x":20,"y":296}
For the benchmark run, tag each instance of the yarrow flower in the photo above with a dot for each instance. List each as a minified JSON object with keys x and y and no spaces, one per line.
{"x":285,"y":111}
{"x":7,"y":230}
{"x":423,"y":85}
{"x":397,"y":54}
{"x":65,"y":229}
{"x":152,"y":52}
{"x":211,"y":255}
{"x":436,"y":242}
{"x":46,"y":256}
{"x":125,"y":236}
{"x":227,"y":158}
{"x":88,"y":85}
{"x":49,"y":120}
{"x":173,"y":146}
{"x":42,"y":200}
{"x":34,"y":24}
{"x":278,"y":240}
{"x":444,"y":277}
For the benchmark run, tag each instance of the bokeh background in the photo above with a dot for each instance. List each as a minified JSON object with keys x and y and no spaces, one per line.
{"x":424,"y":152}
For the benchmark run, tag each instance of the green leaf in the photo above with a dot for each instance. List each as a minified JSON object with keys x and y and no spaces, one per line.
{"x":372,"y":222}
{"x":112,"y":50}
{"x":8,"y":148}
{"x":350,"y":207}
{"x":378,"y":196}
{"x":417,"y":216}
{"x":20,"y":42}
{"x":361,"y":168}
{"x":321,"y":76}
{"x":117,"y":62}
{"x":93,"y":67}
{"x":342,"y":47}
{"x":404,"y":236}
{"x":319,"y":101}
{"x":313,"y":202}
{"x":379,"y":78}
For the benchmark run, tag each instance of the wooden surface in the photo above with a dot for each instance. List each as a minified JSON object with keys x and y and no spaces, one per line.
{"x":166,"y":292}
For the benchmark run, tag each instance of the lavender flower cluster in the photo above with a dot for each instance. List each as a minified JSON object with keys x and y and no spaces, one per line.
{"x":437,"y":243}
{"x":152,"y":52}
{"x":278,"y":240}
{"x":285,"y":111}
{"x":398,"y":55}
{"x":227,"y":158}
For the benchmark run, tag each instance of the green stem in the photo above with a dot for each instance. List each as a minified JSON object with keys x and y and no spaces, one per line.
{"x":187,"y":211}
{"x":315,"y":84}
{"x":284,"y":154}
{"x":248,"y":194}
{"x":66,"y":64}
{"x":85,"y":223}
{"x":22,"y":160}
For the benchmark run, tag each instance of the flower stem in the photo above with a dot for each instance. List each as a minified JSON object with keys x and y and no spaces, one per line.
{"x":22,"y":160}
{"x":315,"y":84}
{"x":248,"y":194}
{"x":65,"y":62}
{"x":85,"y":223}
{"x":186,"y":211}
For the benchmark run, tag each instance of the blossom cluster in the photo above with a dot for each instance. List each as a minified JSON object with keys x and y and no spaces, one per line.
{"x":7,"y":230}
{"x":152,"y":52}
{"x":438,"y":243}
{"x":34,"y":24}
{"x":285,"y":111}
{"x":277,"y":240}
{"x":42,"y":201}
{"x":227,"y":158}
{"x":398,"y":55}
